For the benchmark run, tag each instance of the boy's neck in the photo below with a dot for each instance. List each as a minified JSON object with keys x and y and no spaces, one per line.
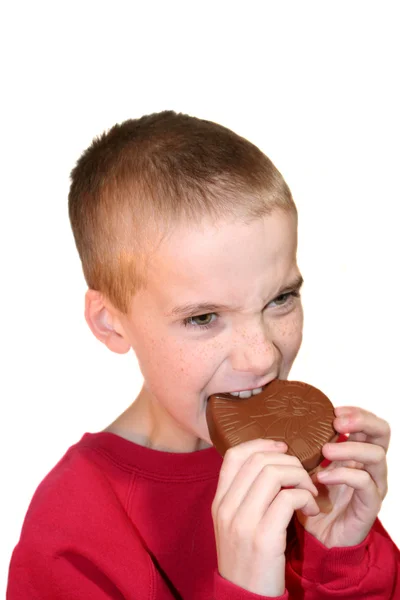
{"x":139,"y":424}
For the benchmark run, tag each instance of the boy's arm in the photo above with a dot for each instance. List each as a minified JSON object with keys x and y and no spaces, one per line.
{"x":314,"y":572}
{"x":78,"y":542}
{"x":345,"y":550}
{"x":369,"y":570}
{"x":45,"y":566}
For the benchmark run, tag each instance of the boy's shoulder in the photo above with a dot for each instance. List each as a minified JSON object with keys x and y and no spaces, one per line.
{"x":84,"y":496}
{"x":77,"y":513}
{"x":74,"y":482}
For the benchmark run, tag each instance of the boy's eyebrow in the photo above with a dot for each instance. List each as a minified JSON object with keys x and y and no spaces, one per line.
{"x":208,"y":307}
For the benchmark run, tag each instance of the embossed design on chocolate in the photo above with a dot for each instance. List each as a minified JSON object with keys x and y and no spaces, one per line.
{"x":290,"y":411}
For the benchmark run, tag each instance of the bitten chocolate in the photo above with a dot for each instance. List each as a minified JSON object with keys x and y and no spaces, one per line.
{"x":289,"y":411}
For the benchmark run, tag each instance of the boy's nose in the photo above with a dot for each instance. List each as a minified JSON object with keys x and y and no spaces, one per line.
{"x":257,"y":355}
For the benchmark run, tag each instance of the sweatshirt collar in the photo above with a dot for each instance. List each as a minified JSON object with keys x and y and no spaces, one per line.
{"x":172,"y":465}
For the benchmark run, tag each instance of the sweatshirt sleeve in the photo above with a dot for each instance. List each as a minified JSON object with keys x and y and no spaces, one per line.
{"x":368,"y":570}
{"x":81,"y":546}
{"x":226,"y":590}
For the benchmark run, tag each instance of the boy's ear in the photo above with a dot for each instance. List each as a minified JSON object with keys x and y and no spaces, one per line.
{"x":104,"y":326}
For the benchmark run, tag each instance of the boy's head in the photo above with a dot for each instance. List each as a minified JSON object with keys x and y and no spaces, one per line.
{"x":169,"y":210}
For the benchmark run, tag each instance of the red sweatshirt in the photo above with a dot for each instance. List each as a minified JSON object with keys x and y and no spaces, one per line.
{"x":115,"y":520}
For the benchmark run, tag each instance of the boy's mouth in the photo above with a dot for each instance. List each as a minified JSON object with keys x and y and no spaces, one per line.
{"x":249,"y":392}
{"x":246,"y":393}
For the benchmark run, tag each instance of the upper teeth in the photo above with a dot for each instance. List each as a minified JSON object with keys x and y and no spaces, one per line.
{"x":246,"y":393}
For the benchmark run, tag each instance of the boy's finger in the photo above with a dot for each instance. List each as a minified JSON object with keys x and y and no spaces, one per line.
{"x":362,"y":452}
{"x":352,"y":420}
{"x":372,"y":457}
{"x":235,"y":458}
{"x":276,"y":519}
{"x":369,"y":500}
{"x":250,"y":503}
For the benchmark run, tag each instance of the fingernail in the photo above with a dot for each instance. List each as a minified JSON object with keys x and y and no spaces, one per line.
{"x":323,"y":475}
{"x":342,"y":411}
{"x":280,"y":445}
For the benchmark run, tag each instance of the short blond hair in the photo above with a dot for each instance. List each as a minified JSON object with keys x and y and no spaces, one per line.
{"x":137,"y":180}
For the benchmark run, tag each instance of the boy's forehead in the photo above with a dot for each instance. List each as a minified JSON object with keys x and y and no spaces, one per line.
{"x":189,"y":246}
{"x":207,"y":265}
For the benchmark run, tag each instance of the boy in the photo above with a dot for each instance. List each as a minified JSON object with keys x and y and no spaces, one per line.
{"x":188,"y":235}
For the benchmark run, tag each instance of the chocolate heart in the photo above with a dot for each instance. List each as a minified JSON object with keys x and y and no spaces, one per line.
{"x":290,"y":411}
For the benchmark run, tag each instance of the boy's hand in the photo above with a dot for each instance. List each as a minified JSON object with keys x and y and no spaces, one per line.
{"x":251,"y":512}
{"x":353,"y":486}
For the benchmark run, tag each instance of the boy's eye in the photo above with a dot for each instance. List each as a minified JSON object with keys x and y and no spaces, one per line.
{"x":282,"y":298}
{"x":204,"y":322}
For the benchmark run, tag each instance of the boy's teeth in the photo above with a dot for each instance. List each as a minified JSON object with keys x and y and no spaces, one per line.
{"x":246,"y":393}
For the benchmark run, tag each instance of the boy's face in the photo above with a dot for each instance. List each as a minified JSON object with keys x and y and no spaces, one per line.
{"x":249,"y":268}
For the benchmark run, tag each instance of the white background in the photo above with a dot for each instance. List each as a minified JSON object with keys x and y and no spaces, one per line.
{"x":314,"y":84}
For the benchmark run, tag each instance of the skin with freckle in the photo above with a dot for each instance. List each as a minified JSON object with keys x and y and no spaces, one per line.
{"x":244,"y":265}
